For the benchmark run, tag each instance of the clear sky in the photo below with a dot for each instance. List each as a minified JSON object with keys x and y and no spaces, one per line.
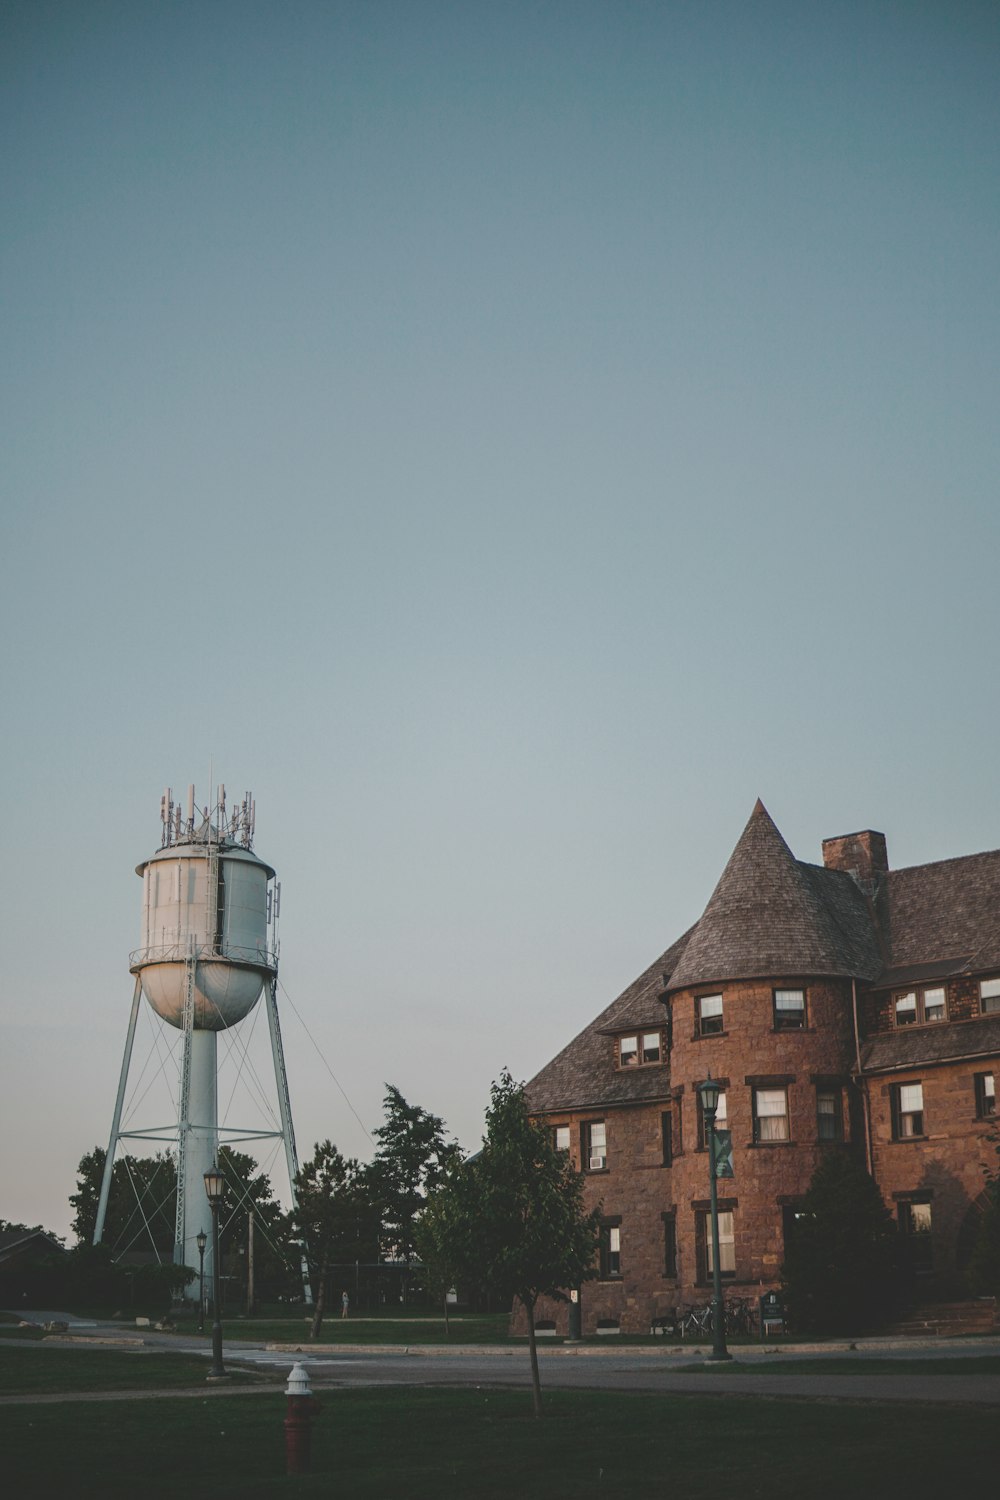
{"x":509,"y":438}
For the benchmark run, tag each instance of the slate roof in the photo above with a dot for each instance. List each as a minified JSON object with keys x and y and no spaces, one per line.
{"x":914,"y":1047}
{"x":950,"y":909}
{"x":770,"y":914}
{"x":583,"y":1074}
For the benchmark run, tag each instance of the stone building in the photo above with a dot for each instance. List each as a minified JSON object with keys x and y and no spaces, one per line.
{"x":842,"y":1006}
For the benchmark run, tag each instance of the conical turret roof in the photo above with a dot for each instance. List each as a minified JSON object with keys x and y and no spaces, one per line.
{"x":772,"y":915}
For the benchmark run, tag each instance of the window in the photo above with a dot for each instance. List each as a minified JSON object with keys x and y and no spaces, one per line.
{"x":829,"y":1115}
{"x":907,"y":1111}
{"x":727,"y":1243}
{"x":709,"y":1015}
{"x":640,"y":1048}
{"x":595,"y":1145}
{"x":919,"y":1007}
{"x":669,"y":1245}
{"x":770,"y":1115}
{"x":667,"y":1138}
{"x":915,"y":1227}
{"x":986,"y":1095}
{"x":989,"y":996}
{"x":720,"y":1121}
{"x":789,"y":1010}
{"x":611,"y":1251}
{"x":560,"y":1138}
{"x":933,"y":1005}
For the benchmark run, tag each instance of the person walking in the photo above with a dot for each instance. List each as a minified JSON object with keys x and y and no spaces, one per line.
{"x":345,"y":1304}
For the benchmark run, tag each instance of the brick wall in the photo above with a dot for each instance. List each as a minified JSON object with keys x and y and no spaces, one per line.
{"x":946,"y":1166}
{"x":768,"y":1176}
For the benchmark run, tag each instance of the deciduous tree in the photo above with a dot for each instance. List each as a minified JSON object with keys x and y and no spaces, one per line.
{"x":335,"y":1216}
{"x":511,"y":1218}
{"x":412,"y":1157}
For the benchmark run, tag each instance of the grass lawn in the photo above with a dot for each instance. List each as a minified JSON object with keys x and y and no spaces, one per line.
{"x":425,"y":1445}
{"x":491,"y":1329}
{"x":44,"y":1371}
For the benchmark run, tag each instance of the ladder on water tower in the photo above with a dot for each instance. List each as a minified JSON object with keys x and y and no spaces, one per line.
{"x":184,"y":1112}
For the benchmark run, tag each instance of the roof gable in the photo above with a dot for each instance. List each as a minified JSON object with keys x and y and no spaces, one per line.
{"x":771,"y":915}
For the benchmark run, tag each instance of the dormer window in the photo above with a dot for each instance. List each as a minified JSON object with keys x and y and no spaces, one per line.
{"x":989,"y":996}
{"x":639,"y":1048}
{"x":919,"y":1007}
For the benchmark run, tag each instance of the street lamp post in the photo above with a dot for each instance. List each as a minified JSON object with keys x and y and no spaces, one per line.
{"x":709,"y":1092}
{"x":201,"y":1240}
{"x":214,"y":1184}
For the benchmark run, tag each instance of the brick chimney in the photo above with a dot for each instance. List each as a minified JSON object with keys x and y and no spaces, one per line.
{"x":862,"y":855}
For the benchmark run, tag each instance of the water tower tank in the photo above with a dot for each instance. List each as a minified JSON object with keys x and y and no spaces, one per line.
{"x":204,"y":896}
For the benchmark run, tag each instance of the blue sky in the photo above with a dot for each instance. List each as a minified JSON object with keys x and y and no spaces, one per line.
{"x":508,"y":438}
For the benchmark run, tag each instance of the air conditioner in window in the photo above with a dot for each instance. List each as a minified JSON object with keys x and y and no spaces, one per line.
{"x":598,"y":1163}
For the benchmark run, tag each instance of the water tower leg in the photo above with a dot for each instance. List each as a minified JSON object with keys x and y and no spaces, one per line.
{"x":109,"y":1160}
{"x":285,"y":1106}
{"x":199,"y":1140}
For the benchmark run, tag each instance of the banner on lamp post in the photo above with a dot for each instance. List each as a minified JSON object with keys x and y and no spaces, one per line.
{"x":722,"y":1147}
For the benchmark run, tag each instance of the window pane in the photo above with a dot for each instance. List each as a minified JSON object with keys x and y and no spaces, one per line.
{"x":827,"y":1114}
{"x":710,"y":1005}
{"x":911,"y":1097}
{"x":989,"y":995}
{"x":933,"y":1005}
{"x":906,"y":1009}
{"x":651,"y":1046}
{"x":561,"y":1137}
{"x":770,"y":1114}
{"x":597,"y":1137}
{"x":628,"y":1050}
{"x":727,"y":1244}
{"x":770,"y":1102}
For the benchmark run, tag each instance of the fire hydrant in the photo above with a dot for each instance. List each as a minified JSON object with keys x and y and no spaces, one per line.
{"x":298,"y":1423}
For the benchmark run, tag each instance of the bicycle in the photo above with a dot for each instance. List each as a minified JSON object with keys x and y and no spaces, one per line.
{"x":697,"y":1321}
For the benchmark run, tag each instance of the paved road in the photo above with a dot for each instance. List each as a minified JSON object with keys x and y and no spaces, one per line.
{"x":589,"y":1368}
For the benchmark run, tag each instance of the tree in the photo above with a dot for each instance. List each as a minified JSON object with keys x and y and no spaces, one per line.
{"x":335,"y":1216}
{"x":983,"y":1270}
{"x":842,"y":1270}
{"x":249,"y":1191}
{"x":141,"y":1201}
{"x":511,"y":1218}
{"x":142,"y":1206}
{"x":412,"y":1157}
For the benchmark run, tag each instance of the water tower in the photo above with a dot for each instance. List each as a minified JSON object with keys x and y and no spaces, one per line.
{"x":209,"y":950}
